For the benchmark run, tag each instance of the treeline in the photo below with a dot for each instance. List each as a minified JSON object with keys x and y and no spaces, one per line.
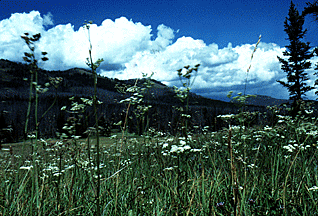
{"x":162,"y":117}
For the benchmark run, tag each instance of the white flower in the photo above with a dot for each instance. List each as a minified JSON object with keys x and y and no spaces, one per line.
{"x":174,"y":148}
{"x":226,"y":116}
{"x":289,"y":148}
{"x":26,"y":168}
{"x":309,"y":111}
{"x":314,"y":188}
{"x":312,"y":133}
{"x":76,"y":137}
{"x":187,"y":147}
{"x":70,"y":167}
{"x":196,"y":150}
{"x":179,"y":149}
{"x":182,"y":142}
{"x":165,"y":145}
{"x":57,"y":174}
{"x":251,"y":166}
{"x":113,"y":136}
{"x":267,"y":128}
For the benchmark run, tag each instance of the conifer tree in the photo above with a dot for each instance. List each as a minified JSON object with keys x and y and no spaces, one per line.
{"x":312,"y":9}
{"x":298,"y":55}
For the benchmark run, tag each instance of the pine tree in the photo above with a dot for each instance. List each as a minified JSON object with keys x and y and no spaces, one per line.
{"x":312,"y":9}
{"x":298,"y":55}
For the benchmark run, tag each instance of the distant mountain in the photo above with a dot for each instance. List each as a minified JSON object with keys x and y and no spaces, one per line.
{"x":263,"y":100}
{"x":79,"y":81}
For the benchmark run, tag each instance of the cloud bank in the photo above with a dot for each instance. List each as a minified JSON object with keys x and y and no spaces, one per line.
{"x":128,"y":51}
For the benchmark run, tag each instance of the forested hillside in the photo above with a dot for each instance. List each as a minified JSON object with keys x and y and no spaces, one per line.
{"x":163,"y":114}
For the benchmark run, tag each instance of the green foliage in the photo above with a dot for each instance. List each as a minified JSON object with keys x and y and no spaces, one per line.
{"x":138,"y":101}
{"x":76,"y":123}
{"x":183,"y":94}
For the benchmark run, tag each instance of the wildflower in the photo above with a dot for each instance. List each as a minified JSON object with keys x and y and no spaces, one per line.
{"x":174,"y":148}
{"x":179,"y":149}
{"x":289,"y":148}
{"x":70,"y":167}
{"x":76,"y":137}
{"x":32,"y":136}
{"x":196,"y":150}
{"x":165,"y":145}
{"x":96,"y":176}
{"x":309,"y":111}
{"x":312,"y":133}
{"x":113,"y":136}
{"x":251,"y":166}
{"x":251,"y":201}
{"x":87,"y":101}
{"x":168,"y":168}
{"x":267,"y":128}
{"x":226,"y":116}
{"x":182,"y":142}
{"x":220,"y":205}
{"x":26,"y":168}
{"x":314,"y":188}
{"x":187,"y":147}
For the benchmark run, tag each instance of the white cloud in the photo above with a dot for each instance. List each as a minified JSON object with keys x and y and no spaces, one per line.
{"x":11,"y":29}
{"x":128,"y":50}
{"x":164,"y":38}
{"x":47,"y":19}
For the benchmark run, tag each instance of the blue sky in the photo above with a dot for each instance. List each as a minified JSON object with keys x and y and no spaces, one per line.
{"x":161,"y":37}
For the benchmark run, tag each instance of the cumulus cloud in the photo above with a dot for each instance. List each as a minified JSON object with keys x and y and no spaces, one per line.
{"x":128,"y":50}
{"x":12,"y":28}
{"x":47,"y":19}
{"x":164,"y":38}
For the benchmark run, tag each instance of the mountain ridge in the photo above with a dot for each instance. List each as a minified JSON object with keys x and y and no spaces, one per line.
{"x":108,"y":83}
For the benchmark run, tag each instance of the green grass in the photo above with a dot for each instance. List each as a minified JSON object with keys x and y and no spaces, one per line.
{"x":143,"y":177}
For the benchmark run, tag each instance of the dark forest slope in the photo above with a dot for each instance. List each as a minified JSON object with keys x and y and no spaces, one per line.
{"x":14,"y":96}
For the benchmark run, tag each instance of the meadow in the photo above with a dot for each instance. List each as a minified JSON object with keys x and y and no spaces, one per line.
{"x":239,"y":170}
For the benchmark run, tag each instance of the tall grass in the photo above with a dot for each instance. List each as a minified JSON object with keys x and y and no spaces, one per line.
{"x":30,"y":57}
{"x":239,"y":170}
{"x":93,"y":67}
